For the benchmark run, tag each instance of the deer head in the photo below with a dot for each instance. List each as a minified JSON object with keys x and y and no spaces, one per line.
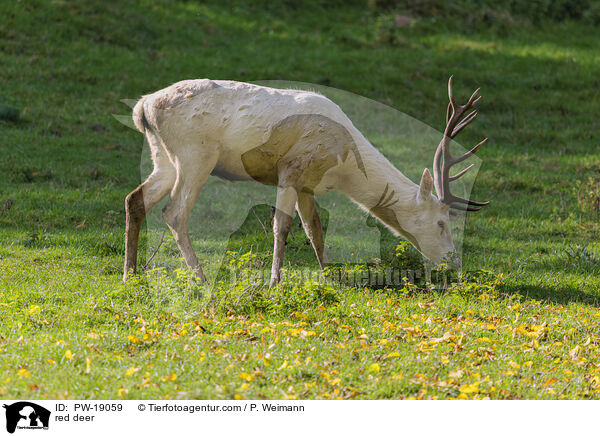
{"x":431,"y":227}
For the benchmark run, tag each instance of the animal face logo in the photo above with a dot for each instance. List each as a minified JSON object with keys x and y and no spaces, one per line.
{"x":26,"y":415}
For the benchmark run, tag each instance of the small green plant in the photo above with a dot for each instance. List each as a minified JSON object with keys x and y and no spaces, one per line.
{"x":584,"y":254}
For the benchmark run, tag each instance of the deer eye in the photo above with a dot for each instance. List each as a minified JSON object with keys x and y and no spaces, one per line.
{"x":441,"y":224}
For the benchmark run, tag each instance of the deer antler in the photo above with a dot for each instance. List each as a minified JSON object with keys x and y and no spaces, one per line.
{"x":443,"y":160}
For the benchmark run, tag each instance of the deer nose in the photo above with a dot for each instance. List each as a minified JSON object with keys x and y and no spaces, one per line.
{"x":453,"y":261}
{"x":457,"y":263}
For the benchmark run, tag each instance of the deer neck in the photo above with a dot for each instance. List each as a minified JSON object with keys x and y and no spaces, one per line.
{"x":383,"y":191}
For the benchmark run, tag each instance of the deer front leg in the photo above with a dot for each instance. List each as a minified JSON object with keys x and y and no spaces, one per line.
{"x":307,"y":209}
{"x":284,"y":215}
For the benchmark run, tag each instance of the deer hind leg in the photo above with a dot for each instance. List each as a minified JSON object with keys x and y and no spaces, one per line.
{"x":284,"y":215}
{"x":192,"y":172}
{"x":143,"y":198}
{"x":307,"y":209}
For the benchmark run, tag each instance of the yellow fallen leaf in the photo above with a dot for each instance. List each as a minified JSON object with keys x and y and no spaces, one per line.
{"x":550,"y":382}
{"x":88,"y":365}
{"x":470,"y":389}
{"x":34,"y":310}
{"x":247,"y":377}
{"x":393,"y":354}
{"x":335,"y":381}
{"x":171,"y":377}
{"x":534,"y":344}
{"x":374,"y":368}
{"x":131,"y":371}
{"x":133,"y":339}
{"x":23,"y":372}
{"x":69,"y":355}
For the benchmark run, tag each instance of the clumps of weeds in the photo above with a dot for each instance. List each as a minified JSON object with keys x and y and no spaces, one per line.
{"x":583,"y":254}
{"x":294,"y":294}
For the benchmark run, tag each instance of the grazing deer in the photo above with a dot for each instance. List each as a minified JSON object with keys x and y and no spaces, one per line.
{"x":300,"y":142}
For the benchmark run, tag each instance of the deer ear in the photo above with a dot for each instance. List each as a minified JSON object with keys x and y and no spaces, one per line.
{"x":426,"y":186}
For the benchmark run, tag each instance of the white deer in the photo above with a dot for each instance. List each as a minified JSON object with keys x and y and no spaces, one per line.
{"x":299,"y":141}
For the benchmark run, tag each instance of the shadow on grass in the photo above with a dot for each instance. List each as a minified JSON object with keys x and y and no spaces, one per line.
{"x":550,"y":294}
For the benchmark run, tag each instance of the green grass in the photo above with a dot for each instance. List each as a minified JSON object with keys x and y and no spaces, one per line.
{"x":526,"y":329}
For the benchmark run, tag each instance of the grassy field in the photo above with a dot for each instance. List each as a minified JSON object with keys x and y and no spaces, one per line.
{"x":521,"y":323}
